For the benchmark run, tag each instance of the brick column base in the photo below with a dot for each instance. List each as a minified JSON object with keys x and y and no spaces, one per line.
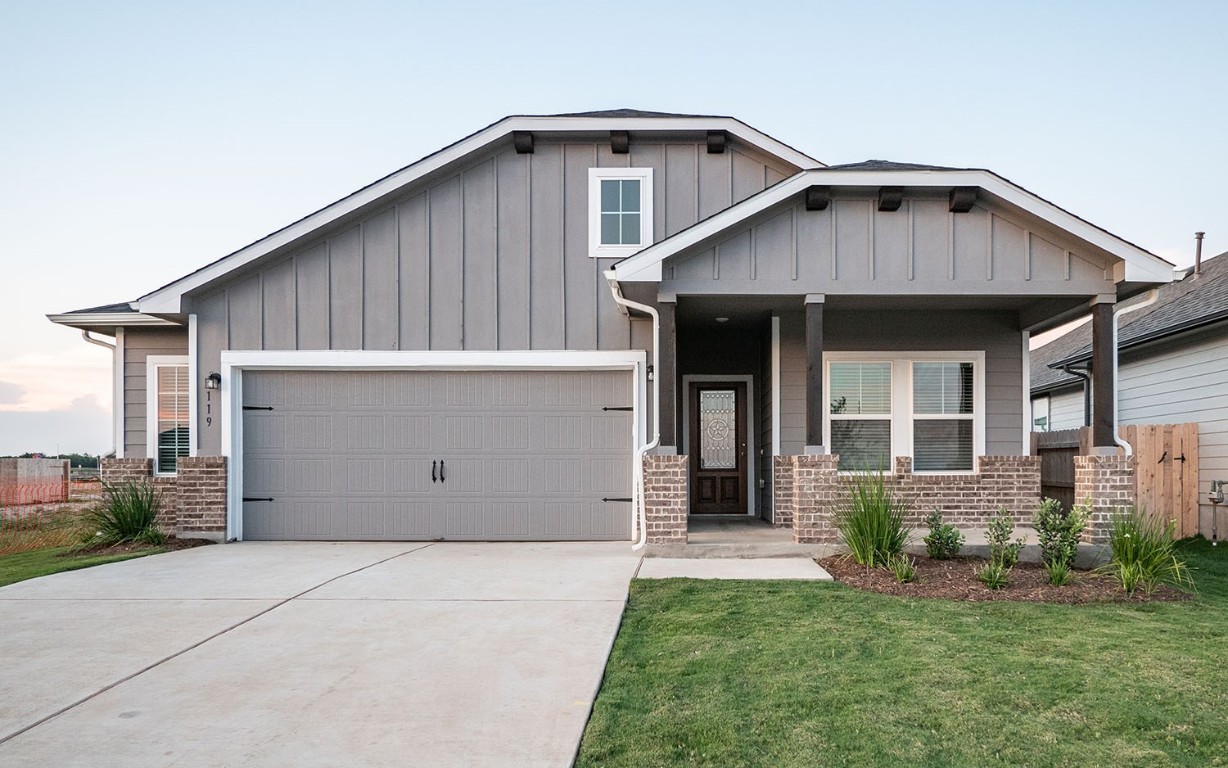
{"x":1107,"y":483}
{"x":782,"y":491}
{"x":665,"y":480}
{"x":816,"y":486}
{"x":202,"y":497}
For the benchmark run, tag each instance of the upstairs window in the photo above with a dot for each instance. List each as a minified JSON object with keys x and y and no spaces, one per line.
{"x":168,"y":411}
{"x":620,"y":211}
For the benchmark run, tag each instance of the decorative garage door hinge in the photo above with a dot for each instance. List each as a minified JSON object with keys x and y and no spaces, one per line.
{"x":618,"y":408}
{"x":257,"y":498}
{"x":619,"y":498}
{"x":257,"y":407}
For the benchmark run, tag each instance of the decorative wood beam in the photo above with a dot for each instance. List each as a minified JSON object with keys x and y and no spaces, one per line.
{"x":523,"y":142}
{"x":890,"y":198}
{"x":620,"y":142}
{"x":716,"y":142}
{"x":817,"y":198}
{"x":962,"y":199}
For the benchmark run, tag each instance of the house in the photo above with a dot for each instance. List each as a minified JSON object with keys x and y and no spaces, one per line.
{"x":596,"y":325}
{"x":1173,"y":368}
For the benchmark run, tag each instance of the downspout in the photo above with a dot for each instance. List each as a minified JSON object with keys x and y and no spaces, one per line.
{"x":85,"y":334}
{"x":640,"y":519}
{"x":1086,"y":375}
{"x":1117,"y":313}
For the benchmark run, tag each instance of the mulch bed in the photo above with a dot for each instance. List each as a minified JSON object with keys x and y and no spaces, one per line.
{"x":956,"y":580}
{"x":132,"y":546}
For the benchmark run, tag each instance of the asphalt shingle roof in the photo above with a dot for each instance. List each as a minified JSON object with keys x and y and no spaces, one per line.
{"x":888,"y":165}
{"x":1197,"y":300}
{"x":103,"y":309}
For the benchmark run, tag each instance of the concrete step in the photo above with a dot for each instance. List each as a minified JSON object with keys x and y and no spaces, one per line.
{"x":740,"y":550}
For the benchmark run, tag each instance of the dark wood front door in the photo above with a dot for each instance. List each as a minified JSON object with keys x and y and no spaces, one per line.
{"x":717,"y":425}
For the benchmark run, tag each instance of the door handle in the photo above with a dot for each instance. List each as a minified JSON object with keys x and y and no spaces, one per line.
{"x":442,"y":477}
{"x":432,"y":471}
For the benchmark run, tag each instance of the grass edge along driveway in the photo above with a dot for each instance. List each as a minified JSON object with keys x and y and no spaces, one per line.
{"x":33,"y":563}
{"x":722,"y":673}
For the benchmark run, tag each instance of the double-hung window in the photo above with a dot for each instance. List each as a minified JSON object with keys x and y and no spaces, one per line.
{"x":927,"y":405}
{"x":620,"y":211}
{"x":167,"y":414}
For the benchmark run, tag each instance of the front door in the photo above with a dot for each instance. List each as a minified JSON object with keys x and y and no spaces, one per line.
{"x":718,"y":448}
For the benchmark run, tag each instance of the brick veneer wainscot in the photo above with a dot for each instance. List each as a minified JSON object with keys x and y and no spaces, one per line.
{"x":1108,"y":482}
{"x":193,"y":499}
{"x":782,"y":491}
{"x":665,"y":481}
{"x":968,"y":500}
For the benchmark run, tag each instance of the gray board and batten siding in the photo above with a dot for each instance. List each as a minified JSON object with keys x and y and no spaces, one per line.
{"x":853,"y":248}
{"x":139,"y":345}
{"x":437,"y":455}
{"x":491,"y":255}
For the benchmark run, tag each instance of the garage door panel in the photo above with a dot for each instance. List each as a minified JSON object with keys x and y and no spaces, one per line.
{"x":348,"y":455}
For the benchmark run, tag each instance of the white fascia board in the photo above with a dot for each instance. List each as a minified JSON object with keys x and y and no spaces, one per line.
{"x":94,"y":319}
{"x":168,"y":299}
{"x":1140,"y":266}
{"x":437,"y":361}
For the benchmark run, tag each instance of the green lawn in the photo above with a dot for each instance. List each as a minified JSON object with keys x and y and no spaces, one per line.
{"x":41,"y":562}
{"x":810,"y":674}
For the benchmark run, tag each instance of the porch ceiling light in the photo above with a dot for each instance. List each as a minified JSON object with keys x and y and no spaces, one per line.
{"x":722,"y":319}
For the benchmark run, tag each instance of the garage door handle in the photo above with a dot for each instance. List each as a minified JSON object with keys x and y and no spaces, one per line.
{"x":432,"y":471}
{"x":442,"y":477}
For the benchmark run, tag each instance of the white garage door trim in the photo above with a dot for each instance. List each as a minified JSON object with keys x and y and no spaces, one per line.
{"x":234,"y":363}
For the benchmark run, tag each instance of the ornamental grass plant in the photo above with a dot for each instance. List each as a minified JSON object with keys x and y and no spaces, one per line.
{"x":871,"y":520}
{"x":1144,"y":553}
{"x":128,"y":514}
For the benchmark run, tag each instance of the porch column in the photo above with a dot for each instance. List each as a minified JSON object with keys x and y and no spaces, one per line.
{"x":815,"y":403}
{"x":1103,"y":384}
{"x":667,"y":376}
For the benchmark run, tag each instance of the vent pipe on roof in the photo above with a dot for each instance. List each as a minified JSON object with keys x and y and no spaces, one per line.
{"x":1198,"y":252}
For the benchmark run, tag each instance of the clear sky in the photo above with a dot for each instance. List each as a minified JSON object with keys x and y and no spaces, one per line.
{"x":141,"y":140}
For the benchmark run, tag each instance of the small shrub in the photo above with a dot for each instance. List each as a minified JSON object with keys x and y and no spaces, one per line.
{"x":903,"y":567}
{"x":1144,"y":553}
{"x":1002,"y":550}
{"x":871,"y":520}
{"x":994,"y":574}
{"x":944,"y":540}
{"x":1059,"y":573}
{"x":128,"y":513}
{"x":1058,"y":532}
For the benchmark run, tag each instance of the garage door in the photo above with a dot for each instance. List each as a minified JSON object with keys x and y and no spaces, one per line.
{"x":418,"y":455}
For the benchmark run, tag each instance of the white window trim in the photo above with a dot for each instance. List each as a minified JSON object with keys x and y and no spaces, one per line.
{"x":901,"y":399}
{"x":234,"y":363}
{"x":152,"y":364}
{"x":595,"y":176}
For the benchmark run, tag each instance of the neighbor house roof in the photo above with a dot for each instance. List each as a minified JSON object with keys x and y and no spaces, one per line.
{"x":168,"y":298}
{"x":1140,"y":265}
{"x":1196,"y":301}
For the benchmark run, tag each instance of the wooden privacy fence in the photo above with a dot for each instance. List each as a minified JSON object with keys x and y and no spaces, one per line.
{"x":1165,"y":468}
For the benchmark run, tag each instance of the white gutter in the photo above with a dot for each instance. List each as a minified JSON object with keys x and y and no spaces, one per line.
{"x":640,"y":519}
{"x":1117,"y":313}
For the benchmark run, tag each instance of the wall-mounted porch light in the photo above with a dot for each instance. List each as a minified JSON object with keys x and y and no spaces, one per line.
{"x":651,"y":372}
{"x":213,"y":381}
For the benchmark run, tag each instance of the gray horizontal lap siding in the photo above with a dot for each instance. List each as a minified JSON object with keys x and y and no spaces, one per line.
{"x":139,"y":345}
{"x":921,"y":249}
{"x":490,"y":256}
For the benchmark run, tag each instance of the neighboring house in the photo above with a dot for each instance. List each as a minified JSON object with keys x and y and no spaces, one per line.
{"x":1173,"y":368}
{"x":476,"y":346}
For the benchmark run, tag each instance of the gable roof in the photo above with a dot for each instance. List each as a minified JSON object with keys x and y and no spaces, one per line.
{"x":1196,"y":301}
{"x":168,"y":298}
{"x":1141,"y":265}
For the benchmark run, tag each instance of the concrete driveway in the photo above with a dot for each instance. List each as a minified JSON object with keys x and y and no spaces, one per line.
{"x":312,"y":654}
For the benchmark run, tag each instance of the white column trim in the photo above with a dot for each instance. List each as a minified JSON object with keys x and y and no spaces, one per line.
{"x":193,"y":389}
{"x":1027,"y":395}
{"x":117,"y":395}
